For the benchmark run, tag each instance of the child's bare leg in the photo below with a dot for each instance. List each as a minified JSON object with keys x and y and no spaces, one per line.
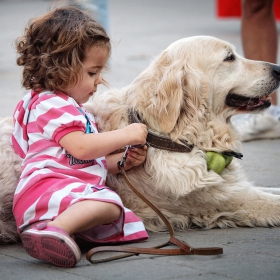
{"x":86,"y":214}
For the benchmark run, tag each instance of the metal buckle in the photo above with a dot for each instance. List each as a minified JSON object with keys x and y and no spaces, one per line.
{"x":123,"y":158}
{"x":122,"y":161}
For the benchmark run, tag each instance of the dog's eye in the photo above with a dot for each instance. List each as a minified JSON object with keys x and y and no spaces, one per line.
{"x":230,"y":57}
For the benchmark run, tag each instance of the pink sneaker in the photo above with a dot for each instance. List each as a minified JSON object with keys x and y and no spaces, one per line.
{"x":51,"y":244}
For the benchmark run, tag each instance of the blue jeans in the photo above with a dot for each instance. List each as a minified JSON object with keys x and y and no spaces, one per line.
{"x":98,"y":8}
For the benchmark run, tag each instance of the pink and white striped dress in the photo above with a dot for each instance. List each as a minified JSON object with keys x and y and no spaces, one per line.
{"x":51,"y":179}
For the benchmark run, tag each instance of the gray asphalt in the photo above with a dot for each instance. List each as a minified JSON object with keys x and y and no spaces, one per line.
{"x":140,"y":30}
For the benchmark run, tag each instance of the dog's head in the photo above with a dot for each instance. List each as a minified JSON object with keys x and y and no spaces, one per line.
{"x":197,"y":80}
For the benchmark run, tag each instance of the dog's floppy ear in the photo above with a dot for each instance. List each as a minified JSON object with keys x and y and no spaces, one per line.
{"x":158,"y":93}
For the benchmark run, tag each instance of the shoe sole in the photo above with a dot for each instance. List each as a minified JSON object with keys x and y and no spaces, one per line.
{"x":53,"y":247}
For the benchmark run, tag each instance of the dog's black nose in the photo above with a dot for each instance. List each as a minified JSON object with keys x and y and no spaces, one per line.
{"x":276,"y":71}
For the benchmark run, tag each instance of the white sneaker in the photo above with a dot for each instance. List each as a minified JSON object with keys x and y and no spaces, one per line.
{"x":265,"y":125}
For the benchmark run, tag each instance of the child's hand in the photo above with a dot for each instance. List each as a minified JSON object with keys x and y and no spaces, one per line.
{"x":136,"y":133}
{"x":135,"y":157}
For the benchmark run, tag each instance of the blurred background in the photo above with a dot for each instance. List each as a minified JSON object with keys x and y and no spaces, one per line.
{"x":139,"y":29}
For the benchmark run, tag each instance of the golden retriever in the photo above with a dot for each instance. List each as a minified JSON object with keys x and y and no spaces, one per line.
{"x":188,"y":94}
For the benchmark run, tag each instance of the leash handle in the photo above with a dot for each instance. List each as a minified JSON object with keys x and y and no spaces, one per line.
{"x":183,"y":247}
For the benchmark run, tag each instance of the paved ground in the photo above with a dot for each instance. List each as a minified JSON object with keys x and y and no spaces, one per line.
{"x":140,"y":29}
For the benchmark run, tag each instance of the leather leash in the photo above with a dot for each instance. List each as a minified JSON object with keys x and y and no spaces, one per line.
{"x":183,"y":247}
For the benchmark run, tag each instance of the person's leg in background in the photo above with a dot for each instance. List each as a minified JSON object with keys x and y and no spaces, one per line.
{"x":259,"y":32}
{"x":102,"y":12}
{"x":98,"y":8}
{"x":260,"y":42}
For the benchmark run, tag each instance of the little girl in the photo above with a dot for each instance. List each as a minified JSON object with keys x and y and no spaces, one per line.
{"x":61,"y":192}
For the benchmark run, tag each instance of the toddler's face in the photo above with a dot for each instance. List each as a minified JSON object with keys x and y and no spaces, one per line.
{"x":95,"y":60}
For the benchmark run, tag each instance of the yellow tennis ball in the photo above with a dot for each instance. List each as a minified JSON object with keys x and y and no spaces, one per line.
{"x":228,"y":160}
{"x":215,"y":162}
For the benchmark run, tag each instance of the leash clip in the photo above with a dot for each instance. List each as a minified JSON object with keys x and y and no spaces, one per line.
{"x":122,"y":161}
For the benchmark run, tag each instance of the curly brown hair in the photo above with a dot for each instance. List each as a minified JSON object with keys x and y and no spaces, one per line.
{"x":53,"y":48}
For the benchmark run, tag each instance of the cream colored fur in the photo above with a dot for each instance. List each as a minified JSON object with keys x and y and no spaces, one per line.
{"x":10,"y":166}
{"x":180,"y":95}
